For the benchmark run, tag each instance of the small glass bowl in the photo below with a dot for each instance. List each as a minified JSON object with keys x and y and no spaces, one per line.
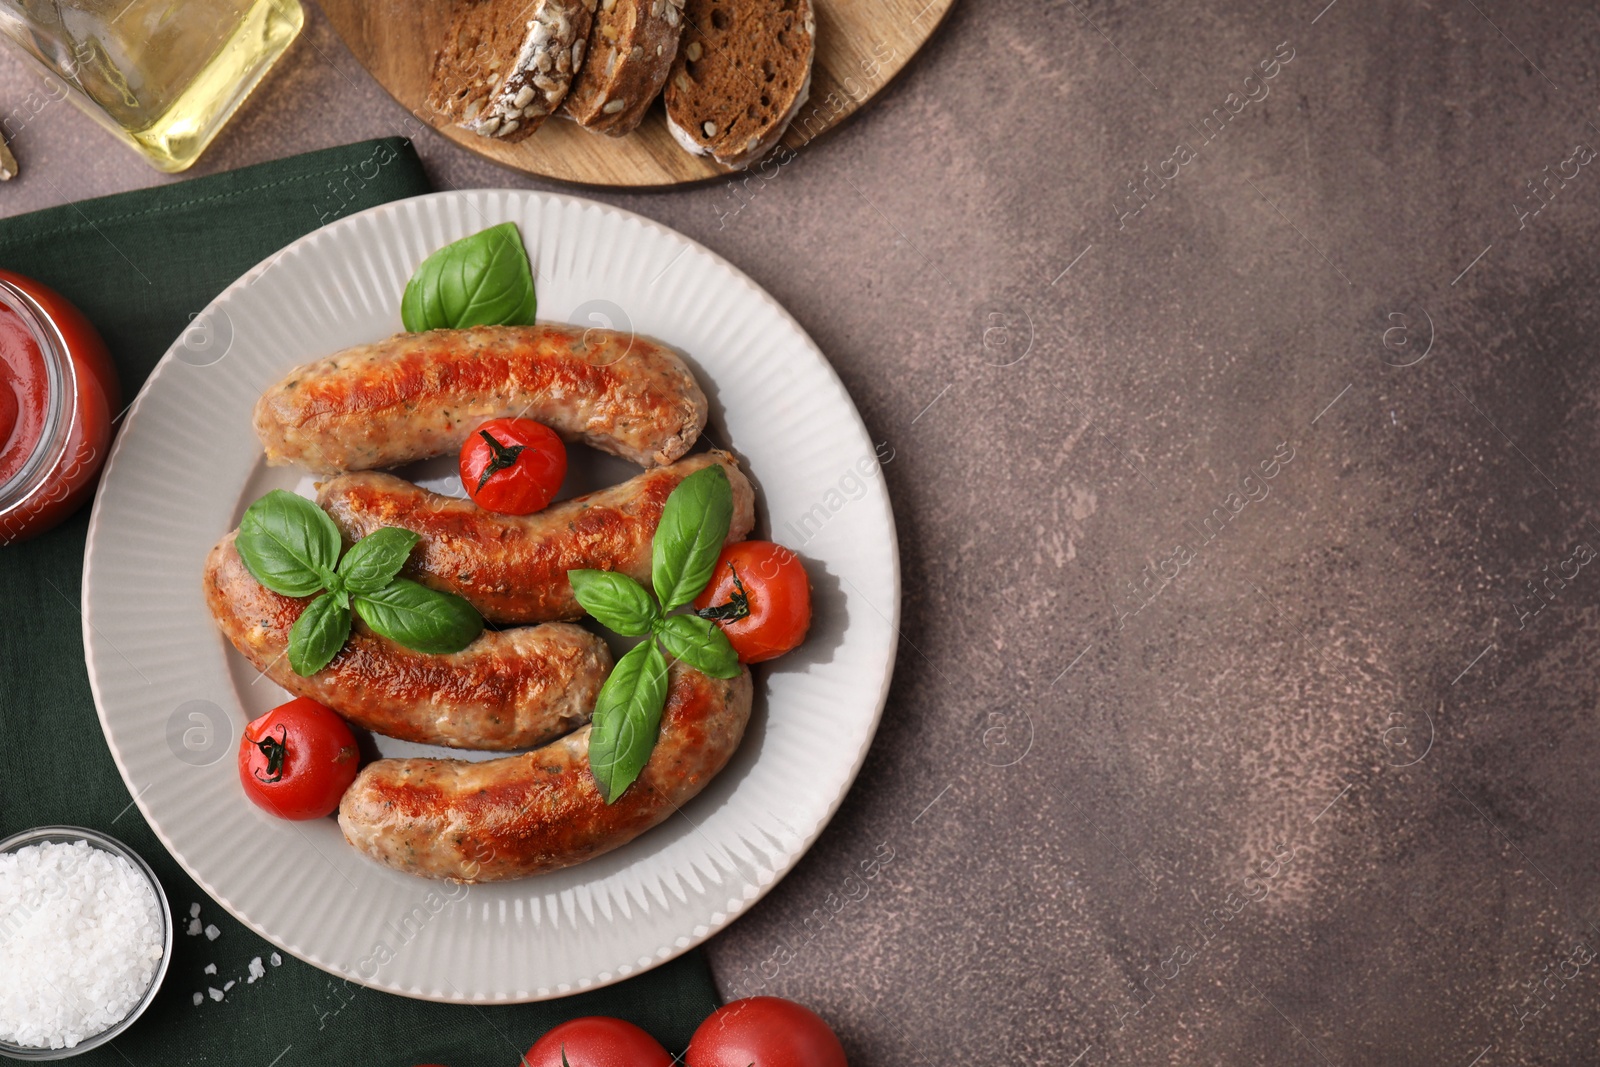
{"x":69,"y":835}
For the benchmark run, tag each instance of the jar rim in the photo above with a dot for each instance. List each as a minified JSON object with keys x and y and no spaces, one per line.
{"x":62,"y":383}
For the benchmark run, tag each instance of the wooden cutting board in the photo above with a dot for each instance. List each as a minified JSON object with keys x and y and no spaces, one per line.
{"x":861,"y":45}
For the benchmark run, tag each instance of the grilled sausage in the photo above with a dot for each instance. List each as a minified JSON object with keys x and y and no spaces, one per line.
{"x":540,"y":811}
{"x":419,"y":395}
{"x":513,"y":569}
{"x":507,"y":690}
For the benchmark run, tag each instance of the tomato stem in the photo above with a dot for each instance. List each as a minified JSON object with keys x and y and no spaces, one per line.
{"x":276,"y":750}
{"x":737,"y":607}
{"x":504,"y":456}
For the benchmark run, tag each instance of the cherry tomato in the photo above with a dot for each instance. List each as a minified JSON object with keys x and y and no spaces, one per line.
{"x":297,"y":760}
{"x":760,"y":596}
{"x":513,"y":466}
{"x":766,"y":1031}
{"x":597,"y":1041}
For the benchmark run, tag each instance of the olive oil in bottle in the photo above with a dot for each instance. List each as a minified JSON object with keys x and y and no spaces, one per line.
{"x":163,"y":75}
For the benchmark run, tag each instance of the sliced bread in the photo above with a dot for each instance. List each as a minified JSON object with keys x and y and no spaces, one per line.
{"x":631,"y":49}
{"x":742,"y":73}
{"x":507,"y":64}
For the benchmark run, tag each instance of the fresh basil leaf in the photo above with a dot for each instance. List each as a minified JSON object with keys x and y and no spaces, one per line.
{"x":422,"y":619}
{"x":482,"y":280}
{"x":288,"y":544}
{"x":627,"y":714}
{"x":700,"y":643}
{"x":319,"y":633}
{"x":694,"y":524}
{"x":616,"y":601}
{"x":373,"y":561}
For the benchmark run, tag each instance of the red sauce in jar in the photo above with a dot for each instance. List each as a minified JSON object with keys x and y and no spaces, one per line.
{"x":58,"y":396}
{"x":24,"y":393}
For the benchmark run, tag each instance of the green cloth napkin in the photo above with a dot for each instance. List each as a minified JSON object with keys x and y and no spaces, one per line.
{"x":140,"y":265}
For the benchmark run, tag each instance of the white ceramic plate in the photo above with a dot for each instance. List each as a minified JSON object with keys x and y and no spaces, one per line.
{"x":173,"y":696}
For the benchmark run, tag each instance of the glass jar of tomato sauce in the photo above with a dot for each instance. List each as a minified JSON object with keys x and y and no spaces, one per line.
{"x":58,"y":396}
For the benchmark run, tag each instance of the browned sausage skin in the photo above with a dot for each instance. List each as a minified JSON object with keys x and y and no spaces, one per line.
{"x":419,"y":395}
{"x":513,"y":569}
{"x":540,"y":811}
{"x":507,"y":690}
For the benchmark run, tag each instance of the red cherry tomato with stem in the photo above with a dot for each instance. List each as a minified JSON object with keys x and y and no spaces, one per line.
{"x":765,"y":1031}
{"x":297,"y":760}
{"x":597,"y":1041}
{"x":513,"y":466}
{"x":761,"y":597}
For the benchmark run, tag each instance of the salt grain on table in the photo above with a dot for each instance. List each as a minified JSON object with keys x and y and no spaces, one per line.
{"x":83,"y":940}
{"x":276,"y":959}
{"x":216,"y":994}
{"x":211,"y":968}
{"x":198,"y":997}
{"x":194,"y":927}
{"x":212,"y":933}
{"x":256,"y":970}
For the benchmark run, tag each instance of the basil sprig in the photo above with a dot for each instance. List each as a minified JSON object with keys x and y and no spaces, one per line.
{"x":481,"y":280}
{"x":289,"y":545}
{"x":626,"y":717}
{"x":319,"y":633}
{"x":420,"y":618}
{"x":694,"y":524}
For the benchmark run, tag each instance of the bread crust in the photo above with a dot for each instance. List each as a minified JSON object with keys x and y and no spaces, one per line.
{"x":485,"y":85}
{"x":690,"y":144}
{"x":631,"y":48}
{"x":724,"y":96}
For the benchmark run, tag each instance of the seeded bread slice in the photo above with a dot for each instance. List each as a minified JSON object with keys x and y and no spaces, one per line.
{"x":742,"y":73}
{"x":507,"y":64}
{"x":631,"y":49}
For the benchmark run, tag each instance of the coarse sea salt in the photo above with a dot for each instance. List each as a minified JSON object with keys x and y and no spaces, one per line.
{"x":80,"y":940}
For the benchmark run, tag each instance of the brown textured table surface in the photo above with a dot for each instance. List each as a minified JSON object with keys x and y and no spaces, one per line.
{"x":1244,"y":712}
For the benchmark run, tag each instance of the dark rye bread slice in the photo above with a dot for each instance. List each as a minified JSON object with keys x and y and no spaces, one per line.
{"x":743,"y":71}
{"x":631,"y":49}
{"x":507,"y":64}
